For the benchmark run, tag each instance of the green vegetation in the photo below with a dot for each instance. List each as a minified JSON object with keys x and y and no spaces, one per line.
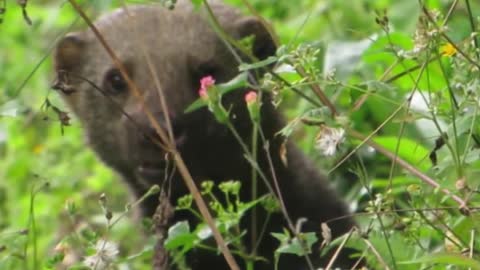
{"x":403,"y":82}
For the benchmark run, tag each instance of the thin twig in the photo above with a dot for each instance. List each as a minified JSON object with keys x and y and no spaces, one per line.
{"x":407,"y":210}
{"x":375,"y":252}
{"x":262,"y":20}
{"x":164,"y":138}
{"x":319,"y":92}
{"x":450,"y":12}
{"x":386,"y":238}
{"x":339,"y":248}
{"x":406,"y":72}
{"x":472,"y":242}
{"x":156,"y":80}
{"x":405,"y":165}
{"x":44,"y":58}
{"x":474,"y":28}
{"x":450,"y":41}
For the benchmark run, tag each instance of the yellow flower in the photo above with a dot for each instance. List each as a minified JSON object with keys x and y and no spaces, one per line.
{"x":37,"y":149}
{"x":448,"y":50}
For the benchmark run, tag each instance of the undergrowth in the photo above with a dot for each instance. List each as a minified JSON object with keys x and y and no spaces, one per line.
{"x":381,"y":94}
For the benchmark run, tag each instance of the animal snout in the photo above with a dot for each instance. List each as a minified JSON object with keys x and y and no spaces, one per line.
{"x":153,"y":155}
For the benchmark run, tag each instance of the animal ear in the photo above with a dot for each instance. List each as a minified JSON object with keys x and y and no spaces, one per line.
{"x":263,"y":45}
{"x":69,"y":52}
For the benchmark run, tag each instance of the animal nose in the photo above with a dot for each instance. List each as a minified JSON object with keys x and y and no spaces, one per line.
{"x":153,"y":158}
{"x":178,"y":131}
{"x":139,"y":117}
{"x":148,"y":136}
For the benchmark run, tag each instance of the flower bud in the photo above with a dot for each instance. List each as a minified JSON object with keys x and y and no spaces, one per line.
{"x":253,"y":105}
{"x":205,"y":83}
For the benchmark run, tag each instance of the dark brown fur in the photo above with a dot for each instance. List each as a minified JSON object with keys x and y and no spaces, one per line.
{"x":183,"y":47}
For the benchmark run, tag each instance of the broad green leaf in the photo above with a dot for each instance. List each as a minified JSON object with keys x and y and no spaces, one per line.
{"x":409,"y":150}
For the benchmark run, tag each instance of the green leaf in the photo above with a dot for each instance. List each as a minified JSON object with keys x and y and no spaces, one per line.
{"x":242,"y":208}
{"x":240,"y":81}
{"x":472,"y":156}
{"x":294,"y":246}
{"x":196,"y":3}
{"x":203,"y":231}
{"x":463,"y":124}
{"x":398,"y":184}
{"x":179,"y":235}
{"x":10,"y":108}
{"x":446,"y":258}
{"x":145,"y":253}
{"x":282,"y":237}
{"x":409,"y":150}
{"x":197,"y":104}
{"x":259,"y":64}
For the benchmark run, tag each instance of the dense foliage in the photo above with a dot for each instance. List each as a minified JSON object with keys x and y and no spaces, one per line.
{"x":384,"y":95}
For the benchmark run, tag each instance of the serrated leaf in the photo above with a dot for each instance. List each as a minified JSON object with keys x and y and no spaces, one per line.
{"x":295,"y":246}
{"x":282,"y":237}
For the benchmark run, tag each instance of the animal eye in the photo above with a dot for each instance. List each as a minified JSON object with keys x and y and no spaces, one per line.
{"x":114,"y":82}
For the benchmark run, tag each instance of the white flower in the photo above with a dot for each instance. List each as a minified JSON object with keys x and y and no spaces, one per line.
{"x":95,"y":262}
{"x":328,"y":139}
{"x":105,"y":253}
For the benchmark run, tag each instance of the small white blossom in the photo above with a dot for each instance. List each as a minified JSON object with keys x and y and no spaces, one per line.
{"x":95,"y":262}
{"x":105,"y":253}
{"x":330,"y":74}
{"x":328,"y":140}
{"x":420,"y":40}
{"x":402,"y":54}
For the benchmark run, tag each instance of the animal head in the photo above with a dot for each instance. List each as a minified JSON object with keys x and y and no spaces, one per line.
{"x":161,"y":50}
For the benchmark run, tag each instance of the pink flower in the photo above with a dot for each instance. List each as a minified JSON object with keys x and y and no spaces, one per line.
{"x":251,"y":97}
{"x":203,"y":93}
{"x":253,"y":106}
{"x":205,"y":83}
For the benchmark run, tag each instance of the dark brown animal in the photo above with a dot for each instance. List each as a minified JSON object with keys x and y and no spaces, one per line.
{"x":183,"y":48}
